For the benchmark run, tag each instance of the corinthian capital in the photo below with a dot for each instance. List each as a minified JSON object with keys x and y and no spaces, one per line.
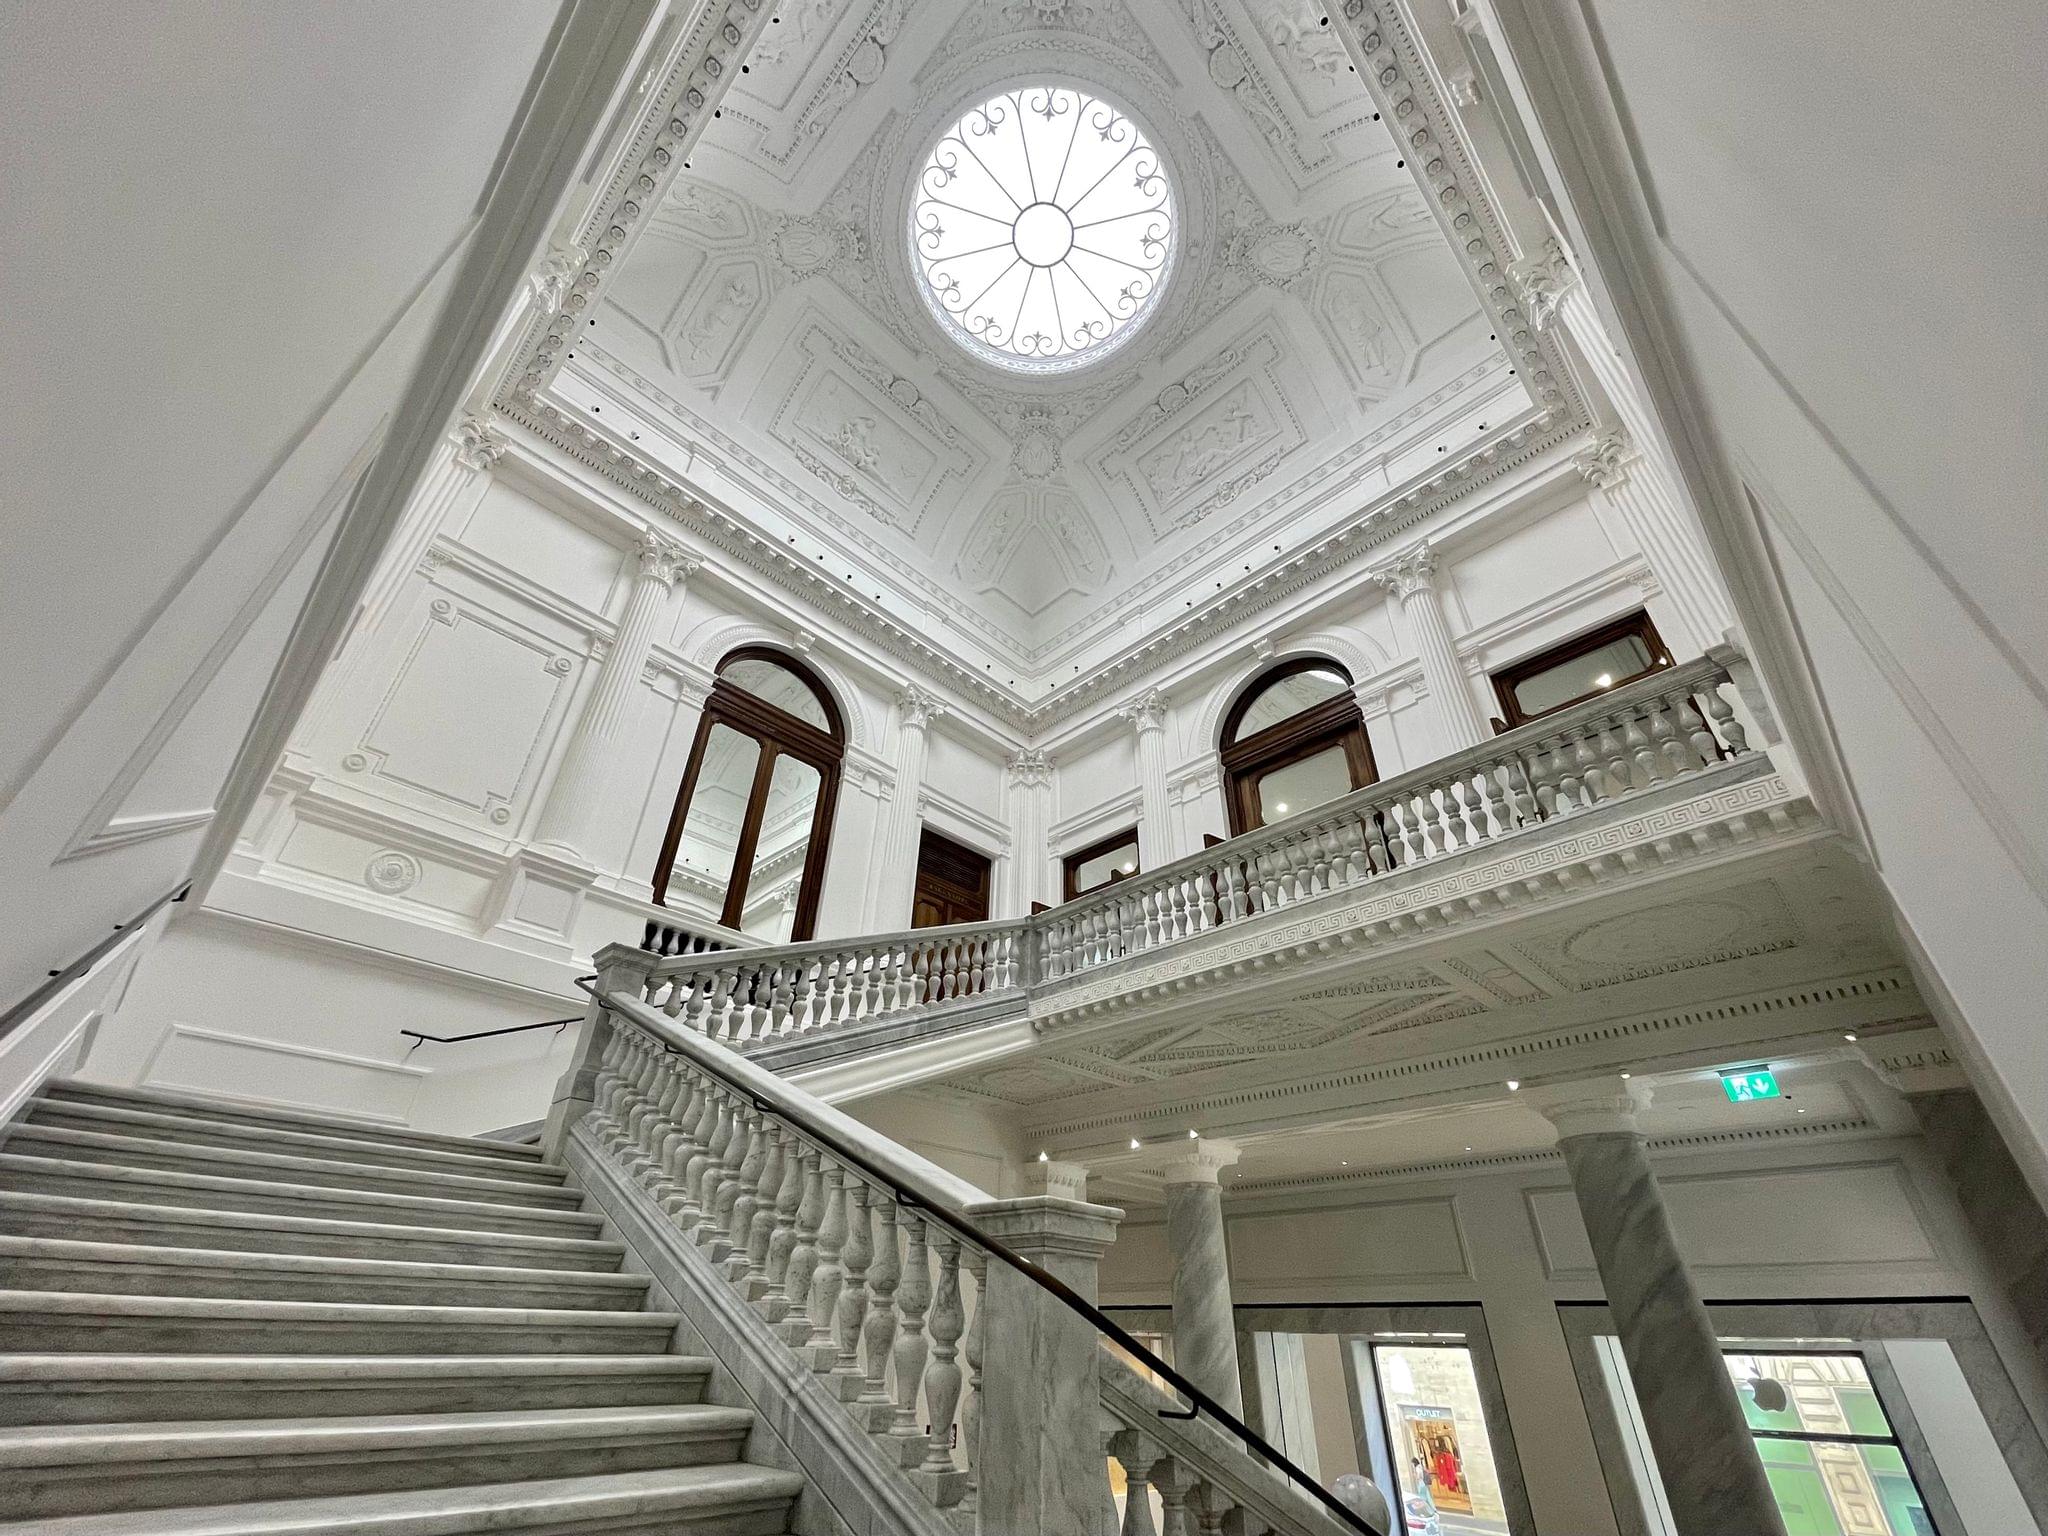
{"x":1605,"y":461}
{"x":919,"y":708}
{"x":1147,"y":711}
{"x":1541,"y":282}
{"x":555,"y":276}
{"x":663,"y":560}
{"x":477,"y":444}
{"x":1030,"y":766}
{"x":1409,"y":573}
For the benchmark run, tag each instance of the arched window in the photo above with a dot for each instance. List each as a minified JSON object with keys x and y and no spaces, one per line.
{"x":746,"y":843}
{"x":1293,"y":740}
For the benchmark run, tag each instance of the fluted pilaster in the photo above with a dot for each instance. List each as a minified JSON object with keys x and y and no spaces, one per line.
{"x":1411,"y":578}
{"x":569,"y":819}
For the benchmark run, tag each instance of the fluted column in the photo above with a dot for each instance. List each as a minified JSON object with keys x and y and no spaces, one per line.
{"x":1029,"y":786}
{"x":1204,"y":1327}
{"x":569,"y":819}
{"x":896,"y":876}
{"x":1639,"y":485}
{"x":1147,"y":714}
{"x":1713,"y":1479}
{"x":1411,"y":577}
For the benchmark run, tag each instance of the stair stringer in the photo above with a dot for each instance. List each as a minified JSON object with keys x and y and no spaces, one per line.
{"x":799,"y":1426}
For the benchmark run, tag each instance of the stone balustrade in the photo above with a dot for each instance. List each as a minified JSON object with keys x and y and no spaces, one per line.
{"x":922,"y":1332}
{"x":1660,"y":731}
{"x":750,"y":996}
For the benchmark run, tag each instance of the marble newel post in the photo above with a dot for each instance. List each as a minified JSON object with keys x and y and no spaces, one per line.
{"x":1147,"y":713}
{"x":1041,"y":1467}
{"x":1412,"y":578}
{"x":1204,"y":1327}
{"x":896,"y":876}
{"x":1713,"y":1478}
{"x":571,"y":818}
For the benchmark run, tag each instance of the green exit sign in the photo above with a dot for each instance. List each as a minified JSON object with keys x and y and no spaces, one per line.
{"x":1752,"y":1083}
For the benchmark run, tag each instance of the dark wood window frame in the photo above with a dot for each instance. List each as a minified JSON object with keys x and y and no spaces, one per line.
{"x":1070,"y":866}
{"x":779,"y":734}
{"x":962,"y":902}
{"x":1336,"y":722}
{"x":1507,"y":678}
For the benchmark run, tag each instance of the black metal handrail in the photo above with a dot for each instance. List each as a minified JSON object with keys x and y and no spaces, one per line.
{"x":1200,"y":1401}
{"x":419,"y":1039}
{"x":58,"y":980}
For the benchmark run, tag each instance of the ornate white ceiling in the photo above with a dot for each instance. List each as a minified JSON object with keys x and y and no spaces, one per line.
{"x":732,"y":332}
{"x":765,"y":324}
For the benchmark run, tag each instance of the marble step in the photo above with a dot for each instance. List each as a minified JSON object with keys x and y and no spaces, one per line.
{"x":142,"y":1222}
{"x":128,"y":1389}
{"x":68,"y":1322}
{"x":336,"y":1146}
{"x":128,"y":1151}
{"x":91,"y":1468}
{"x":195,"y":1106}
{"x":94,"y":1181}
{"x":55,"y":1264}
{"x":680,"y":1501}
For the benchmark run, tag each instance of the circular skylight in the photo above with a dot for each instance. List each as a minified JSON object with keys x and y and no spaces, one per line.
{"x":1042,"y":228}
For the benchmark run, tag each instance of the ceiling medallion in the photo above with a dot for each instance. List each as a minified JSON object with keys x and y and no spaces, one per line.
{"x":1042,"y":228}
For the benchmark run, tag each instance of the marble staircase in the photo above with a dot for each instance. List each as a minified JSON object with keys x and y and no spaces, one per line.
{"x":219,"y":1321}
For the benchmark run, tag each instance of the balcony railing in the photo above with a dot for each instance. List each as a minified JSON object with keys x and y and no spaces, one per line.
{"x":1662,"y":730}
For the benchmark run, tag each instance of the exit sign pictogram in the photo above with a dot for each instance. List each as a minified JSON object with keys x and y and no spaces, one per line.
{"x":1750,"y":1084}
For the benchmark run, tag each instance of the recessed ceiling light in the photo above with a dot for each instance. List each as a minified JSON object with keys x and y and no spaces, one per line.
{"x":1625,"y":1076}
{"x":1851,"y":1035}
{"x":1192,"y":1134}
{"x":1045,"y":1157}
{"x":1135,"y":1144}
{"x":1130,"y":869}
{"x":1514,"y":1085}
{"x":1280,"y":809}
{"x":1468,"y":1149}
{"x":1604,"y":680}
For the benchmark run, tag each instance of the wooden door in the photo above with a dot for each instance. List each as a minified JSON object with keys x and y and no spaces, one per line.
{"x":952,"y":883}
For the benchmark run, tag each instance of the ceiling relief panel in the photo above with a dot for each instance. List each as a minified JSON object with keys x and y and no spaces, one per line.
{"x":864,"y":431}
{"x":1032,"y":547}
{"x":1316,"y":325}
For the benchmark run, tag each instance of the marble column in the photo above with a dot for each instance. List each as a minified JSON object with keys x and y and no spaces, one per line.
{"x":1204,"y":1327}
{"x":1147,"y":714}
{"x":1713,"y":1480}
{"x":896,"y":874}
{"x":571,"y":818}
{"x":1993,"y":1192}
{"x":1411,"y":577}
{"x":1028,"y":783}
{"x":1041,"y":1471}
{"x":1639,"y":485}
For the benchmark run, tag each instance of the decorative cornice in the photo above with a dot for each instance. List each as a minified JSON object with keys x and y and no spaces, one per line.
{"x":1605,"y":461}
{"x":1479,"y":465}
{"x":478,"y":444}
{"x":1394,"y":68}
{"x":700,"y":69}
